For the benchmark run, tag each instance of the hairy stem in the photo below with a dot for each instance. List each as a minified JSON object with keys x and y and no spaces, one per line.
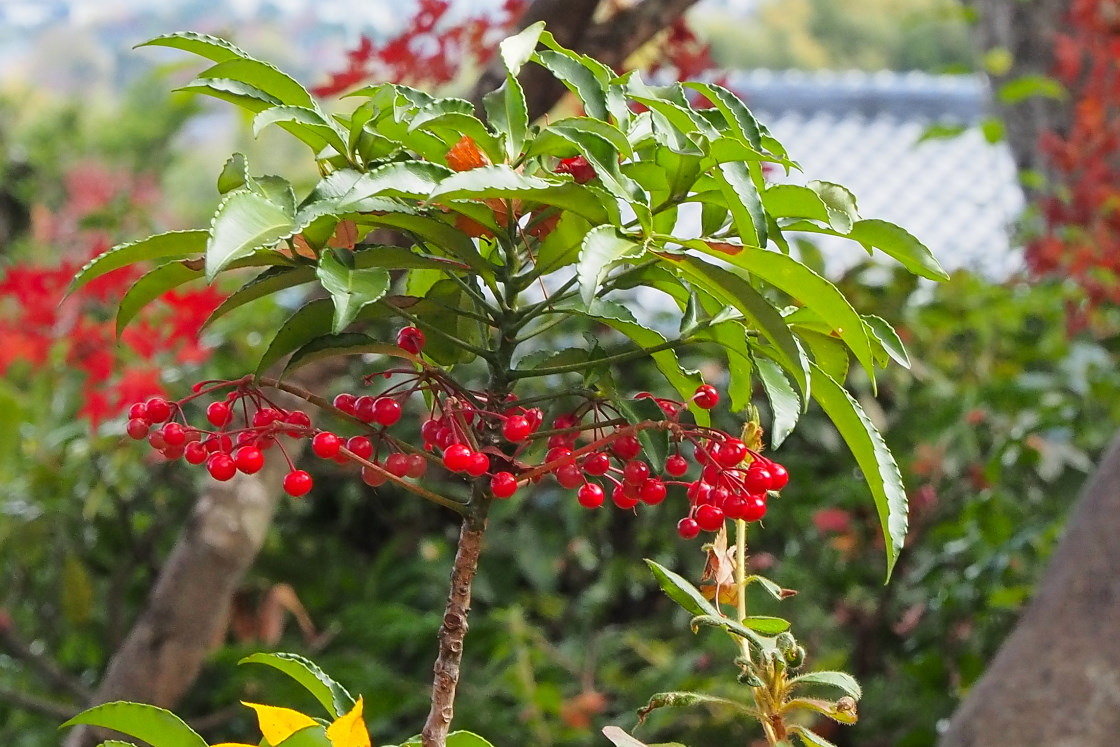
{"x":454,"y":627}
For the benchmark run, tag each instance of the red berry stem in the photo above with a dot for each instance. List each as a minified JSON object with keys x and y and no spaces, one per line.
{"x":630,"y":430}
{"x":419,"y":490}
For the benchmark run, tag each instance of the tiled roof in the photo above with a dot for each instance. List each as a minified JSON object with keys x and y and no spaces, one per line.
{"x":959,"y":196}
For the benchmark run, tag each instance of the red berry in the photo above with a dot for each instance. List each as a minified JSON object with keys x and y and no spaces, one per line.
{"x":698,"y":492}
{"x":248,"y":459}
{"x":386,"y":411}
{"x":411,"y":339}
{"x":138,"y":411}
{"x":535,"y":418}
{"x":565,"y":421}
{"x":266,"y":416}
{"x":652,"y":492}
{"x":624,"y":497}
{"x":363,"y":408}
{"x":676,"y":465}
{"x":557,"y":453}
{"x":457,"y":457}
{"x":590,"y":495}
{"x":503,"y":485}
{"x":429,"y":430}
{"x":222,"y":443}
{"x":174,"y":434}
{"x":137,"y":429}
{"x":397,"y":464}
{"x":706,"y":397}
{"x":479,"y":464}
{"x":195,"y":452}
{"x":709,"y":517}
{"x":635,"y":472}
{"x":627,"y":447}
{"x":300,"y":422}
{"x":779,"y":477}
{"x":360,"y":446}
{"x":218,"y":413}
{"x":297,"y":483}
{"x":220,"y":466}
{"x":596,"y":463}
{"x":569,"y":475}
{"x":688,"y":528}
{"x":172,"y":452}
{"x":754,"y":508}
{"x":516,"y":428}
{"x":375,"y":478}
{"x":731,"y":453}
{"x":345,"y":402}
{"x":578,"y":167}
{"x":757,"y":479}
{"x":325,"y":444}
{"x":158,"y":409}
{"x":155,"y":440}
{"x":417,"y":466}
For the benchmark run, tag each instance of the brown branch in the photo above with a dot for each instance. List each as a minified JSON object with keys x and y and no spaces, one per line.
{"x":47,"y":668}
{"x":49,"y":708}
{"x":453,"y":630}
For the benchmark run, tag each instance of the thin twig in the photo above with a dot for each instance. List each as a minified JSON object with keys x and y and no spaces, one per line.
{"x":49,"y":708}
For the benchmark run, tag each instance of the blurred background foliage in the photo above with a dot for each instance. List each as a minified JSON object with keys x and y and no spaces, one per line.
{"x":996,"y":428}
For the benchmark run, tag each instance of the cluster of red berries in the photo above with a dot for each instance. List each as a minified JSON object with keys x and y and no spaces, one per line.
{"x":590,"y":449}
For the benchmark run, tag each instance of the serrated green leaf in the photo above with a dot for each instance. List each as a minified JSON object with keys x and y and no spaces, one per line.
{"x":151,"y":286}
{"x":244,"y":222}
{"x":115,"y":743}
{"x":888,"y":238}
{"x":308,"y":125}
{"x":771,"y":588}
{"x":351,"y":289}
{"x":501,"y":181}
{"x":579,"y":76}
{"x":507,"y":112}
{"x":738,"y":117}
{"x":794,"y":201}
{"x":452,"y":125}
{"x":872,"y":455}
{"x":840,"y":203}
{"x":811,"y":738}
{"x":732,"y":338}
{"x":827,"y":352}
{"x":882,"y":331}
{"x":329,"y":693}
{"x":681,"y":591}
{"x":235,"y":174}
{"x":264,"y":77}
{"x":412,"y":179}
{"x":466,"y":739}
{"x":602,"y":248}
{"x":684,"y":699}
{"x":309,"y":321}
{"x":784,"y":402}
{"x":743,"y":200}
{"x":440,"y":237}
{"x":155,"y":725}
{"x":766,"y":625}
{"x":731,"y":290}
{"x":270,"y":281}
{"x":232,"y":91}
{"x":203,"y":45}
{"x":173,"y":244}
{"x":840,"y":680}
{"x":561,"y":247}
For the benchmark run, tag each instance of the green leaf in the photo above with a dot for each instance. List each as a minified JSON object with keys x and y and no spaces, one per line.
{"x":466,"y":739}
{"x":272,"y":280}
{"x":235,"y":174}
{"x":655,"y":443}
{"x":203,"y":45}
{"x":329,"y":693}
{"x":561,"y":247}
{"x":411,"y":179}
{"x":309,"y":736}
{"x":115,"y":743}
{"x":244,"y":222}
{"x":810,"y":737}
{"x":439,"y":236}
{"x":841,"y":680}
{"x":882,"y":330}
{"x":508,"y":113}
{"x":351,"y":289}
{"x":306,"y":124}
{"x":685,"y":699}
{"x":734,"y":181}
{"x":501,"y":181}
{"x":155,"y":725}
{"x":784,"y":402}
{"x":899,"y":243}
{"x":1030,"y":86}
{"x":681,"y":591}
{"x":731,"y":336}
{"x":731,"y":290}
{"x":150,"y":287}
{"x":771,"y":588}
{"x":347,"y":343}
{"x":452,"y":125}
{"x":305,"y":324}
{"x":602,"y":249}
{"x":872,"y":455}
{"x":840,"y":203}
{"x":161,"y":246}
{"x":233,"y":91}
{"x":619,"y":738}
{"x":731,"y":626}
{"x":769,"y":626}
{"x":264,"y":77}
{"x":738,"y":117}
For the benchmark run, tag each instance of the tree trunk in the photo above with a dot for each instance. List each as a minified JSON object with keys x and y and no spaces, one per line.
{"x":1056,"y":680}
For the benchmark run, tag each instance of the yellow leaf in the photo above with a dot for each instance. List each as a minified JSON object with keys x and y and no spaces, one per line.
{"x":349,"y":730}
{"x":233,"y":744}
{"x":277,"y":724}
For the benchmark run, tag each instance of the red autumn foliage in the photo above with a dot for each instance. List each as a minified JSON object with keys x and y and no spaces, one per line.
{"x":1081,"y":236}
{"x":38,"y":332}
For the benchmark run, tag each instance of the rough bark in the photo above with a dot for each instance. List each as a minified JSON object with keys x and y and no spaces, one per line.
{"x":610,"y":40}
{"x":1056,"y":680}
{"x":187,"y":609}
{"x":1026,"y":30}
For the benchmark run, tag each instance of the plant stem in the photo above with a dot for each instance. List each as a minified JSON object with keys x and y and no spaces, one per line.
{"x":454,"y":627}
{"x":741,"y":575}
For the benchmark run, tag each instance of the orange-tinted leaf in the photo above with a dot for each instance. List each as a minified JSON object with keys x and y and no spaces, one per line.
{"x":277,"y":724}
{"x":466,"y":155}
{"x":349,"y":730}
{"x":345,"y":235}
{"x":724,"y":247}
